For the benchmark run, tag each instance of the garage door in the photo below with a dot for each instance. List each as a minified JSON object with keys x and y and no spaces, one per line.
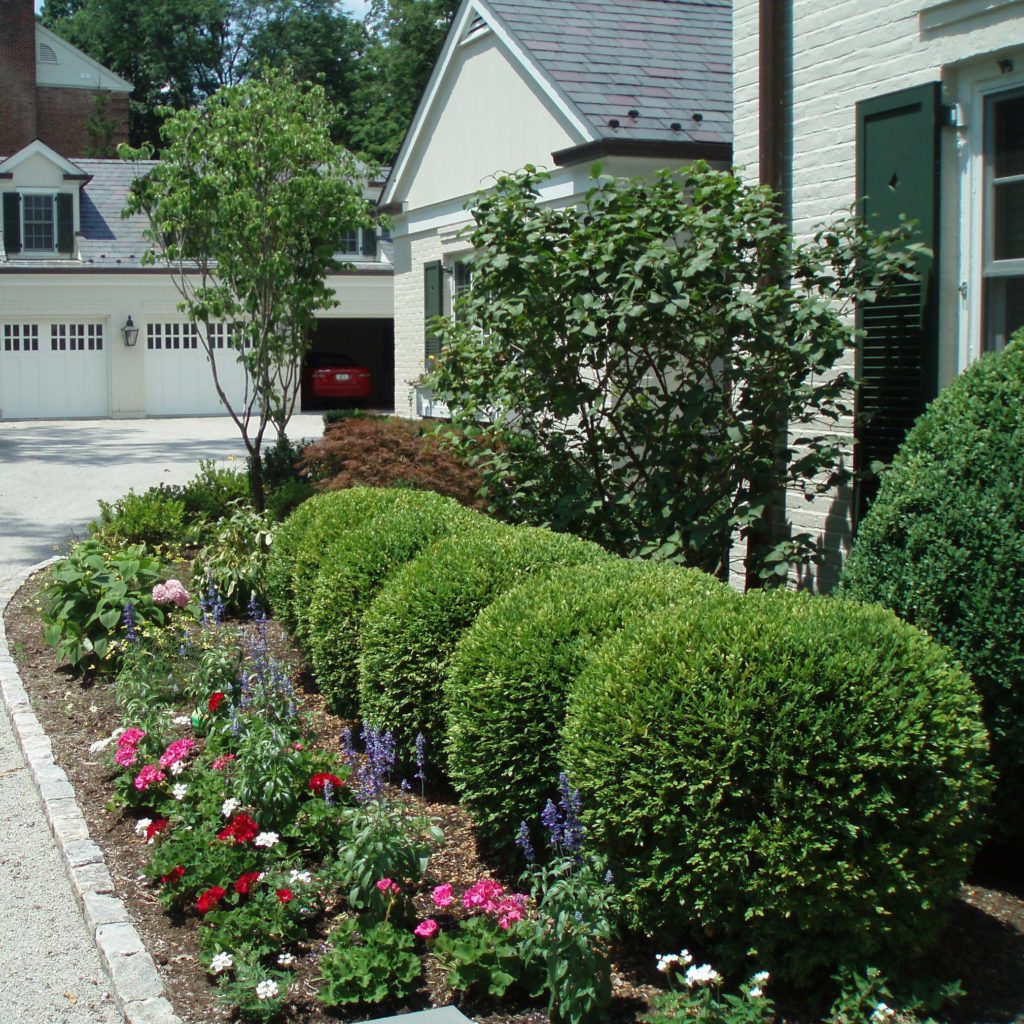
{"x":179,"y":381}
{"x":52,"y":370}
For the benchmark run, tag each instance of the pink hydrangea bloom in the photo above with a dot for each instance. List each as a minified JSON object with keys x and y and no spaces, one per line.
{"x":426,"y":929}
{"x":131,"y":737}
{"x":442,"y":895}
{"x":171,"y":592}
{"x":149,"y":775}
{"x":179,"y":750}
{"x":483,"y":895}
{"x":126,"y":756}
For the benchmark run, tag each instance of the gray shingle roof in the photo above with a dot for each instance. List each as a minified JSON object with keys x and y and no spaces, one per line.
{"x":668,"y":60}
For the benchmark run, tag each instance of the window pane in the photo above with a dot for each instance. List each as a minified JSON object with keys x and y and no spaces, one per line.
{"x":1009,"y":137}
{"x":1009,"y":221}
{"x":1004,"y":310}
{"x":37,"y":214}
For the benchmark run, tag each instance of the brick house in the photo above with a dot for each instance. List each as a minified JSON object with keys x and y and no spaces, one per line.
{"x":51,"y":91}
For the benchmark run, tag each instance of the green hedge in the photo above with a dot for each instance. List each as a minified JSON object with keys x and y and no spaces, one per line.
{"x":795,"y":774}
{"x":510,"y":675}
{"x":942,"y":546}
{"x":411,"y":629}
{"x":349,"y":572}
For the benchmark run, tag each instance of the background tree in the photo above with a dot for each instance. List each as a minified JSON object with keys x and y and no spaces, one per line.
{"x":246,"y":209}
{"x":637,"y":354}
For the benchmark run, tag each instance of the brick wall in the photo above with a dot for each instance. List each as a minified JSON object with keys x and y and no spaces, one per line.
{"x":17,"y":75}
{"x":64,"y":115}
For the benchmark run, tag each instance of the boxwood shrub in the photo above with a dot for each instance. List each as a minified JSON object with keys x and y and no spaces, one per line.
{"x":507,"y":685}
{"x":411,"y":629}
{"x":353,"y":566}
{"x":941,"y":546}
{"x":799,"y":775}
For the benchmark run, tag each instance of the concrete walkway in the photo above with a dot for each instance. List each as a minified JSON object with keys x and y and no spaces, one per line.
{"x":51,"y":475}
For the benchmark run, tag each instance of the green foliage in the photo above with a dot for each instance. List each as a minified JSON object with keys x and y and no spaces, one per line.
{"x":234,"y":559}
{"x":412,"y":628}
{"x":484,"y":958}
{"x":280,"y":462}
{"x":271,"y":775}
{"x":287,"y":497}
{"x":153,"y":518}
{"x":213,"y":493}
{"x":86,"y":595}
{"x":351,"y":570}
{"x":638,"y":356}
{"x":246,"y":208}
{"x":704,"y":1003}
{"x":941,"y":546}
{"x":369,"y":965}
{"x":865,"y":997}
{"x":509,"y":677}
{"x":799,"y":775}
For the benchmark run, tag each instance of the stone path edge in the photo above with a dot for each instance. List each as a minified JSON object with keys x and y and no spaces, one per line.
{"x":135,"y":982}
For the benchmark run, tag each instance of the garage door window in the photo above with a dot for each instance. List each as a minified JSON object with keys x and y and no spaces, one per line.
{"x":172,"y":336}
{"x":21,"y":337}
{"x":76,"y":337}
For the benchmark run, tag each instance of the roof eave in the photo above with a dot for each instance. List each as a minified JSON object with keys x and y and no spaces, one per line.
{"x":668,"y":149}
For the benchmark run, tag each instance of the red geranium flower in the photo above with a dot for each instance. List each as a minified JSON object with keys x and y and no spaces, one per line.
{"x":154,"y":827}
{"x":173,"y":875}
{"x":318,"y":781}
{"x":246,"y":882}
{"x":215,"y":701}
{"x":285,"y":895}
{"x":241,"y":828}
{"x":210,"y":899}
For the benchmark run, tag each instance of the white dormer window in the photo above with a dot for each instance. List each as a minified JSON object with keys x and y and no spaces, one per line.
{"x":360,"y":243}
{"x":38,"y":222}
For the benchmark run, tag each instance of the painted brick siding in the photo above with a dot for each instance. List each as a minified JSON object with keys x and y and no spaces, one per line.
{"x":844,"y":52}
{"x":65,"y":113}
{"x":17,"y":75}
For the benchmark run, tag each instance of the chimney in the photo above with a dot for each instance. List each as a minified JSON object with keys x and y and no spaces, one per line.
{"x":17,"y":75}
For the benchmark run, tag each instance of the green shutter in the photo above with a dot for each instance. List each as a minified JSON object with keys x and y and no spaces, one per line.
{"x":369,"y":247}
{"x":65,"y":223}
{"x":12,"y":222}
{"x":898,"y":175}
{"x":433,"y":298}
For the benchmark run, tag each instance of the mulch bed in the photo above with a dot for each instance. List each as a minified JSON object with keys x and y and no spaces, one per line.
{"x":984,"y":946}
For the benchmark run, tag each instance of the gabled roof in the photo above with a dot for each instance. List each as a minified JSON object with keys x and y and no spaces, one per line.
{"x":70,"y":170}
{"x":624,"y":74}
{"x":51,"y":50}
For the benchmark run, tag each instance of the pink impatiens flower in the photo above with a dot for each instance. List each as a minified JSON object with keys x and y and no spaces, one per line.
{"x":126,"y":756}
{"x":443,"y":895}
{"x":148,"y":776}
{"x":426,"y":929}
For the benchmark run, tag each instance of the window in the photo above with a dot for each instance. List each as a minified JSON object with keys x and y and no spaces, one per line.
{"x":360,"y":242}
{"x":172,"y":336}
{"x":38,"y":222}
{"x":76,"y":337}
{"x":21,"y":337}
{"x":1004,"y":218}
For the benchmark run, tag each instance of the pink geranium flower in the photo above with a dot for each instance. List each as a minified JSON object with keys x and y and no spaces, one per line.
{"x":177,"y":751}
{"x":386,"y":885}
{"x":220,"y":763}
{"x":131,"y":737}
{"x":443,"y":895}
{"x":126,"y":756}
{"x":426,"y":929}
{"x":483,"y":895}
{"x":149,"y":775}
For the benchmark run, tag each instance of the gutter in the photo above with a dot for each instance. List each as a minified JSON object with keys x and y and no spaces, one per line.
{"x":663,"y":149}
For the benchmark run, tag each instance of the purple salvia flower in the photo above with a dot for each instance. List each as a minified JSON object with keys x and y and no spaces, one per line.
{"x":552,"y":821}
{"x":525,"y":843}
{"x":406,"y":787}
{"x":328,"y":792}
{"x":421,"y":758}
{"x":128,"y":618}
{"x":570,"y":805}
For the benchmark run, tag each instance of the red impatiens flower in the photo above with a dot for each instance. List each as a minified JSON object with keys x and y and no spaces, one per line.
{"x":210,"y":899}
{"x":215,"y":701}
{"x":155,"y":827}
{"x":246,"y":882}
{"x":241,"y":828}
{"x":320,"y":780}
{"x":285,"y":895}
{"x":173,"y":875}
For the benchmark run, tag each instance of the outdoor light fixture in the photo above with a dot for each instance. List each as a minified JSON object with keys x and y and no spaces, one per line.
{"x":130,"y":332}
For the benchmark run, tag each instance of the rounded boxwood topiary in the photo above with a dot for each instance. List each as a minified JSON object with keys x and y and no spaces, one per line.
{"x":350,"y":570}
{"x":507,"y":685}
{"x":799,"y":775}
{"x":411,"y":629}
{"x":941,"y":546}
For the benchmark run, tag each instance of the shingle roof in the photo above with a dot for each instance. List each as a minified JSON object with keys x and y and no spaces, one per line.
{"x":668,"y":60}
{"x":105,"y":238}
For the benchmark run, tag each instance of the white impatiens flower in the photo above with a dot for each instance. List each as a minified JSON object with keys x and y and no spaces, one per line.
{"x":703,"y":975}
{"x":756,"y":992}
{"x":141,"y":825}
{"x":178,"y":767}
{"x":303,"y":877}
{"x":179,"y":791}
{"x":286,"y":959}
{"x":229,"y":807}
{"x":666,"y":960}
{"x":883,"y":1013}
{"x":266,"y":840}
{"x":266,"y":990}
{"x":222,"y":962}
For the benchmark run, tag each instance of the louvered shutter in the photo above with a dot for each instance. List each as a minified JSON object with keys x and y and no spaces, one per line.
{"x":12,"y":222}
{"x":65,"y":223}
{"x":433,"y":298}
{"x":898,"y":174}
{"x":369,"y":242}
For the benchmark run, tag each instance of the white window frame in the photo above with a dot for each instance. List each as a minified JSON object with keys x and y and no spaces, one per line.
{"x":356,"y":254}
{"x":25,"y":249}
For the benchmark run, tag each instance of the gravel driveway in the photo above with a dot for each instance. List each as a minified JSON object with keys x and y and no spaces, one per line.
{"x":51,"y":475}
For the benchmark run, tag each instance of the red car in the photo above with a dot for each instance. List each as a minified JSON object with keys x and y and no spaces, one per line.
{"x":336,"y":376}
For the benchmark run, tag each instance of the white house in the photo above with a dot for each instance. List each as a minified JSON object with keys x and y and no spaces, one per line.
{"x":71,"y":279}
{"x":557,"y":84}
{"x":915,"y":107}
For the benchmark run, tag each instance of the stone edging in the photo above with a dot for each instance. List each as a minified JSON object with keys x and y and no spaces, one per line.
{"x":136,"y":984}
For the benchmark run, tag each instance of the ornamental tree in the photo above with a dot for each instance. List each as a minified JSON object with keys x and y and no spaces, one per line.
{"x":247,"y":207}
{"x":652,"y":367}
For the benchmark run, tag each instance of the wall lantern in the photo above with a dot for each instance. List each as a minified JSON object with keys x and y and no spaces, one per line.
{"x":130,"y":332}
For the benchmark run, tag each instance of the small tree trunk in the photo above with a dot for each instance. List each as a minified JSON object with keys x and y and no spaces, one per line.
{"x":259,"y":498}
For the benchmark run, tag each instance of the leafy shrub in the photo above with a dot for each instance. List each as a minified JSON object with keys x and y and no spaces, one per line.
{"x":211,"y":494}
{"x":410,"y":631}
{"x":351,"y":570}
{"x":508,"y":680}
{"x":281,"y":461}
{"x":233,"y":560}
{"x":300,"y":541}
{"x":286,"y":498}
{"x":153,"y":518}
{"x":368,"y":966}
{"x":388,"y":451}
{"x":941,"y":547}
{"x":86,"y":595}
{"x":799,"y":775}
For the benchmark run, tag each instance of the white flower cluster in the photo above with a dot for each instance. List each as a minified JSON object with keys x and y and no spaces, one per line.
{"x":182,"y":720}
{"x":883,"y":1014}
{"x":178,"y":767}
{"x":286,"y":959}
{"x":141,"y":825}
{"x":297,"y":877}
{"x":222,"y":962}
{"x":703,"y":975}
{"x":667,"y":960}
{"x":179,"y":791}
{"x":266,"y":990}
{"x":229,"y":807}
{"x":758,"y":980}
{"x":266,"y":840}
